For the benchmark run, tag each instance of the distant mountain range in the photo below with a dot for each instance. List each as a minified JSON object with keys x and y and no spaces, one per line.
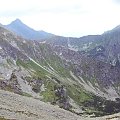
{"x":26,"y":32}
{"x":84,"y":43}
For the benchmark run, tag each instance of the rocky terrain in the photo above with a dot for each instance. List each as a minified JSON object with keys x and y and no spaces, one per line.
{"x":13,"y":106}
{"x":83,"y":81}
{"x":16,"y":107}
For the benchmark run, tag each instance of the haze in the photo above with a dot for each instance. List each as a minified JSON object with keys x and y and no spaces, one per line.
{"x":63,"y":17}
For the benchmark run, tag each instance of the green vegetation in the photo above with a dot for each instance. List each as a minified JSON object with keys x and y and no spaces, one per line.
{"x":38,"y":71}
{"x":77,"y":94}
{"x":54,"y":61}
{"x":26,"y":94}
{"x":57,"y":64}
{"x":2,"y":118}
{"x":48,"y":94}
{"x":21,"y":63}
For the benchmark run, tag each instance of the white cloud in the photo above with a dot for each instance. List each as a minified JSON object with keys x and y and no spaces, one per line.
{"x":63,"y":17}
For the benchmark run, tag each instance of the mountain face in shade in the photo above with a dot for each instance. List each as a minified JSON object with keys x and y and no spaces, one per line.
{"x":26,"y":32}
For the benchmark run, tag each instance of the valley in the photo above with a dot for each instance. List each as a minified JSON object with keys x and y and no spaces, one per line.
{"x":80,"y":75}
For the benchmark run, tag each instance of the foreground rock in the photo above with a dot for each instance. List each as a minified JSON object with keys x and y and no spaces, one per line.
{"x":13,"y":106}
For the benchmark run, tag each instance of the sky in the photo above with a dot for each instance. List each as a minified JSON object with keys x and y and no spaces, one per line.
{"x":73,"y":18}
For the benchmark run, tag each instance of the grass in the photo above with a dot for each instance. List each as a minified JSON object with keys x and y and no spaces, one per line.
{"x":26,"y":94}
{"x":21,"y":63}
{"x":54,"y":61}
{"x":78,"y":94}
{"x":31,"y":65}
{"x":48,"y":94}
{"x":75,"y":92}
{"x":2,"y":118}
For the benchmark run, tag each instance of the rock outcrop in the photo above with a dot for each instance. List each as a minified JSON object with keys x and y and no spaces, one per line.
{"x":11,"y":84}
{"x":61,"y":97}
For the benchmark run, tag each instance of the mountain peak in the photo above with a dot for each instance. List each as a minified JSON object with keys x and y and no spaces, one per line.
{"x":18,"y":27}
{"x":17,"y":21}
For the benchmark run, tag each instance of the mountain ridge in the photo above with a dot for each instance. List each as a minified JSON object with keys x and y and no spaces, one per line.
{"x":90,"y":76}
{"x":25,"y":31}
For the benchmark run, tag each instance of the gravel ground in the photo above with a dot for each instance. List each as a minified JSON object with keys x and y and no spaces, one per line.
{"x":16,"y":107}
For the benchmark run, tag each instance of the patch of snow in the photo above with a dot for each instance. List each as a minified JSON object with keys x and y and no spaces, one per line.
{"x":24,"y":41}
{"x":14,"y":62}
{"x":99,"y":49}
{"x":4,"y":33}
{"x":38,"y":64}
{"x":60,"y":53}
{"x":43,"y":42}
{"x":86,"y":46}
{"x":114,"y":62}
{"x":42,"y":87}
{"x":72,"y":47}
{"x":48,"y":70}
{"x":13,"y":43}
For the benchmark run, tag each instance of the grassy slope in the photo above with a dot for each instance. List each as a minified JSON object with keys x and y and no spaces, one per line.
{"x":74,"y":91}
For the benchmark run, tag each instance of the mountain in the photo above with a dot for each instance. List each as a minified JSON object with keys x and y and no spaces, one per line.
{"x":84,"y":43}
{"x":83,"y":81}
{"x":105,"y":47}
{"x":26,"y":32}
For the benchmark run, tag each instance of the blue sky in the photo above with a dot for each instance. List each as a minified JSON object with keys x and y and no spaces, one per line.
{"x":63,"y":17}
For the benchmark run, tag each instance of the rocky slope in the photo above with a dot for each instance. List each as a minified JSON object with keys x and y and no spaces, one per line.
{"x":79,"y":81}
{"x":13,"y":106}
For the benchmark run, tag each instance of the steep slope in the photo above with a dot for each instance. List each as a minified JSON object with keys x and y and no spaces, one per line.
{"x":104,"y":47}
{"x":13,"y":106}
{"x":83,"y":43}
{"x":18,"y":107}
{"x":97,"y":75}
{"x":36,"y":66}
{"x":109,"y":49}
{"x":41,"y":70}
{"x":26,"y":32}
